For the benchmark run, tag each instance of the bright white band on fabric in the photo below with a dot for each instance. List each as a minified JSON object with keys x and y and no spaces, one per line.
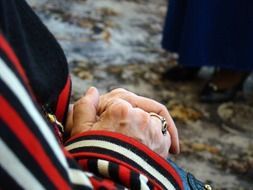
{"x":12,"y":165}
{"x":78,"y":177}
{"x":144,"y":181}
{"x":125,"y":152}
{"x":20,"y":92}
{"x":103,"y":167}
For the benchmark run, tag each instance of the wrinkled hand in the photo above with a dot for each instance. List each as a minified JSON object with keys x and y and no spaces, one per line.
{"x":119,"y":112}
{"x":146,"y":104}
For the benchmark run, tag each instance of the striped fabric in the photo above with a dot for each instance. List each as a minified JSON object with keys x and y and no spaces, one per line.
{"x":32,"y":158}
{"x":125,"y":152}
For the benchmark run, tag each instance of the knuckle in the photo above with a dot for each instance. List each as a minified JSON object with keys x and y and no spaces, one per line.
{"x":118,"y":91}
{"x":145,"y":118}
{"x":130,"y":99}
{"x":119,"y":110}
{"x":163,"y":108}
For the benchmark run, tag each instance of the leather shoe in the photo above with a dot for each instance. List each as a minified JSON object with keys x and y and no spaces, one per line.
{"x":223,"y":86}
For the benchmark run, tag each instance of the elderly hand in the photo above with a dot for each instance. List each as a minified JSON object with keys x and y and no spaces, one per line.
{"x":147,"y":105}
{"x":113,"y":112}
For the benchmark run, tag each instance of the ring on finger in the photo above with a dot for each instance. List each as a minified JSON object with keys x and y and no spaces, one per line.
{"x":163,"y":122}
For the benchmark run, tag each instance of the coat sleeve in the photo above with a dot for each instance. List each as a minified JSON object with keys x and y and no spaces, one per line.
{"x":32,"y":158}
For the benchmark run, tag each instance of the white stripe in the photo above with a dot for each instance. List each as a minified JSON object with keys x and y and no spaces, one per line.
{"x":103,"y":167}
{"x":17,"y":88}
{"x":79,"y":178}
{"x":143,"y":181}
{"x":125,"y":152}
{"x":12,"y":165}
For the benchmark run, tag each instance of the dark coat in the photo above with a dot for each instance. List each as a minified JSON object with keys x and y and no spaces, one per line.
{"x":211,"y":33}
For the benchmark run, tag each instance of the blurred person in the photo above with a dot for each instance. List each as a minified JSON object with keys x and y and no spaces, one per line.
{"x":211,"y":33}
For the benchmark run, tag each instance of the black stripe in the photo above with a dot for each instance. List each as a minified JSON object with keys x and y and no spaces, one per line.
{"x":13,"y":68}
{"x":134,"y":180}
{"x":36,"y":48}
{"x":73,"y":164}
{"x":125,"y":145}
{"x":117,"y":156}
{"x":93,"y":166}
{"x":14,"y":102}
{"x":7,"y":182}
{"x":130,"y":147}
{"x":102,"y":188}
{"x":102,"y":183}
{"x":80,"y":187}
{"x":120,"y":187}
{"x":113,"y":170}
{"x":24,"y":156}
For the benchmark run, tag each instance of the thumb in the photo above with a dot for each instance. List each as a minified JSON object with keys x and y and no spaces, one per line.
{"x":85,"y":111}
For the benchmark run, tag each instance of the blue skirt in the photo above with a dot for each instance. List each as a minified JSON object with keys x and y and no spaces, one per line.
{"x":215,"y":33}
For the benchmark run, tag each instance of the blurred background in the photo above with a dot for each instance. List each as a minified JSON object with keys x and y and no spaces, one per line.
{"x":117,"y":43}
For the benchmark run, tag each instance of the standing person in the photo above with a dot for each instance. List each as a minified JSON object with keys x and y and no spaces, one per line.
{"x":211,"y":33}
{"x":114,"y":141}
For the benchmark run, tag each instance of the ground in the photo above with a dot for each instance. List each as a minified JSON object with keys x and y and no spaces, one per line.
{"x":116,"y":43}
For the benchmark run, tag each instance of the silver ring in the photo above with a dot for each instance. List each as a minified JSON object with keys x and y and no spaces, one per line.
{"x":163,"y":121}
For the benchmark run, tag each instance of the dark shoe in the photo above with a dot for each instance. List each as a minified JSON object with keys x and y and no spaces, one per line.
{"x":181,"y":73}
{"x":223,"y":86}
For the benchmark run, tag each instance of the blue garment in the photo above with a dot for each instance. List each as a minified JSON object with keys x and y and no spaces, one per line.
{"x":215,"y":33}
{"x":189,"y":181}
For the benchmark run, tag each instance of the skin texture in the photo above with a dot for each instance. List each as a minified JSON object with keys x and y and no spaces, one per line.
{"x":124,"y":112}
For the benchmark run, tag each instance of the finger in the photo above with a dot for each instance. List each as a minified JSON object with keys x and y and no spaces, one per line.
{"x":175,"y":148}
{"x":162,"y":143}
{"x":147,"y":105}
{"x":115,"y":117}
{"x":85,"y":109}
{"x":141,"y":126}
{"x":107,"y":99}
{"x":150,"y":105}
{"x":167,"y":143}
{"x":149,"y":132}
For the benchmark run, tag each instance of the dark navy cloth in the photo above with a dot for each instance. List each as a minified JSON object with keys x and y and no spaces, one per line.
{"x":215,"y":33}
{"x":37,"y":49}
{"x":189,"y":181}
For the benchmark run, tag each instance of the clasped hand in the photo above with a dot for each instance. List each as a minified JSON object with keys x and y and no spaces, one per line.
{"x":124,"y":112}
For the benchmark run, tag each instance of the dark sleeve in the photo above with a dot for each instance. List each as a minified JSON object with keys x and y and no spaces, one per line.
{"x":31,"y":157}
{"x":36,"y":48}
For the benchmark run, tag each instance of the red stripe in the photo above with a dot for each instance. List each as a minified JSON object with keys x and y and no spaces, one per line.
{"x":33,"y":146}
{"x":112,"y":159}
{"x":83,"y":164}
{"x":100,"y":156}
{"x":102,"y":183}
{"x":66,"y":153}
{"x":124,"y":175}
{"x":124,"y":172}
{"x":159,"y":160}
{"x":62,"y":104}
{"x":5,"y":47}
